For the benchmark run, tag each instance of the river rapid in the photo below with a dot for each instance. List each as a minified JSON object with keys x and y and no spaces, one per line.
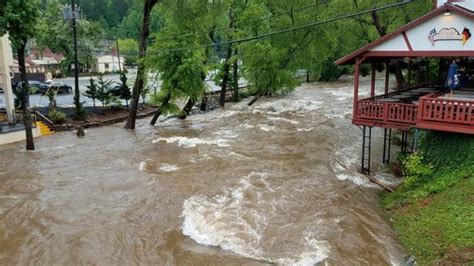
{"x":275,"y":183}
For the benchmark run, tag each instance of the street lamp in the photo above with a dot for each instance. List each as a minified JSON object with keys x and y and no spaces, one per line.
{"x":72,"y":13}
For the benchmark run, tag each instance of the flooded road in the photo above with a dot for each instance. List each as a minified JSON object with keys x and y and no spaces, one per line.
{"x":273,"y":183}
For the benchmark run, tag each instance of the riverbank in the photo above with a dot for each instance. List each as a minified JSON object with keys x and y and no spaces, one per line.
{"x":433,"y":210}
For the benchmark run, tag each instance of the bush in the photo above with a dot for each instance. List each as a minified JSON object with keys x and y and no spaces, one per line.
{"x":415,"y":170}
{"x":57,"y":117}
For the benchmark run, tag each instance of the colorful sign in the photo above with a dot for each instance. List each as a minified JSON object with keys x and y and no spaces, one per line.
{"x":449,"y":34}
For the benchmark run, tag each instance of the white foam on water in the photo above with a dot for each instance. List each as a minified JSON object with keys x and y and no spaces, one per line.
{"x":141,"y":167}
{"x":168,"y":167}
{"x":305,"y":129}
{"x":235,"y":221}
{"x":294,"y":122}
{"x":193,"y":142}
{"x":266,"y":128}
{"x":290,"y":105}
{"x":345,"y":167}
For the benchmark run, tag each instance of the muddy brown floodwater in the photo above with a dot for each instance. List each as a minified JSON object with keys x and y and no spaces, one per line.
{"x":274,"y":183}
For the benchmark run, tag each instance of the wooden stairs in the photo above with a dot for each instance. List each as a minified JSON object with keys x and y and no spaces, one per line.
{"x":44,"y":129}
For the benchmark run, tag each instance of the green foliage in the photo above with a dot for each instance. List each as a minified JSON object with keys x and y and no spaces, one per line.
{"x":103,"y":92}
{"x":91,"y":91}
{"x":18,"y":18}
{"x":57,"y":117}
{"x":124,"y":92}
{"x":415,"y":170}
{"x":433,"y":209}
{"x":439,"y":229}
{"x":447,"y":160}
{"x":54,"y":32}
{"x":129,"y":48}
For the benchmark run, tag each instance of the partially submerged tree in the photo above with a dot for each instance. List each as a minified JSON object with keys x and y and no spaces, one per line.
{"x":140,"y":81}
{"x":18,"y":18}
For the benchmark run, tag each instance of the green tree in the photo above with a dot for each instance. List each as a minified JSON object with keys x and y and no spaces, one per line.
{"x":54,"y":32}
{"x":140,"y":81}
{"x":129,"y":48}
{"x":91,"y":91}
{"x":18,"y":18}
{"x":103,"y":92}
{"x":124,"y":93}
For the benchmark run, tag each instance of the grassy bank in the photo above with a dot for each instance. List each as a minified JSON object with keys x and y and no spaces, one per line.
{"x":433,"y":210}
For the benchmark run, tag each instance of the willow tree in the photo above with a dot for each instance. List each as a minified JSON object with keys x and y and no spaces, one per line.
{"x":140,"y":81}
{"x":18,"y":18}
{"x":270,"y":63}
{"x":181,"y":53}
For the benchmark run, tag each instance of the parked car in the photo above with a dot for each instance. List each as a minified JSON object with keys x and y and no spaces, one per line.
{"x":34,"y":86}
{"x":60,"y":88}
{"x":115,"y":90}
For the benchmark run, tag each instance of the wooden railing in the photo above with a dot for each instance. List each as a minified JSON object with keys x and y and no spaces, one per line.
{"x":387,"y":112}
{"x":450,"y":111}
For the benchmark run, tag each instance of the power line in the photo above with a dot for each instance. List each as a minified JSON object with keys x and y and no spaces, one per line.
{"x":253,"y":21}
{"x":314,"y":24}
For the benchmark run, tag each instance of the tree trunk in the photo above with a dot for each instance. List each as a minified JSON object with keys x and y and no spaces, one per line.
{"x":203,"y":106}
{"x":258,"y":96}
{"x":225,"y":78}
{"x":187,"y":109}
{"x":160,"y":110}
{"x":30,"y":145}
{"x":139,"y":83}
{"x":236,"y":77}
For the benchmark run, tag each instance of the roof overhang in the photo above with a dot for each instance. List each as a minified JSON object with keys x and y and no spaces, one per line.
{"x":368,"y":50}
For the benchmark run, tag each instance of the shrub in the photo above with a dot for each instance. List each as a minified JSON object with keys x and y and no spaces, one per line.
{"x":57,"y":117}
{"x":415,"y":171}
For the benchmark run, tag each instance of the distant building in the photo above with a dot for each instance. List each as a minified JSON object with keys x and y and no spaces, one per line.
{"x":46,"y":60}
{"x":108,"y":63}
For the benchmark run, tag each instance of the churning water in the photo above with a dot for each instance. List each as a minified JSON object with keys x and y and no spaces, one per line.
{"x":273,"y":183}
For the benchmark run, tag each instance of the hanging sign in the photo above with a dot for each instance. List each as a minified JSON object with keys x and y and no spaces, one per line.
{"x":449,"y":34}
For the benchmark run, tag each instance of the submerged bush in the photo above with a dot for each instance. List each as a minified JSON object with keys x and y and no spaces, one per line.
{"x":57,"y":117}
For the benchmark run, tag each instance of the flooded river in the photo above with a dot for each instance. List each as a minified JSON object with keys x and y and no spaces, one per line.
{"x":273,"y":183}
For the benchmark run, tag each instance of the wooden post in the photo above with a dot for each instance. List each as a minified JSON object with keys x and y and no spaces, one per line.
{"x":372,"y":81}
{"x":409,"y":73}
{"x":387,"y":76}
{"x":356,"y":87}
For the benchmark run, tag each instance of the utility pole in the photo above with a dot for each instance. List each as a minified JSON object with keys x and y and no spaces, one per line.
{"x":77,"y":94}
{"x":118,"y":55}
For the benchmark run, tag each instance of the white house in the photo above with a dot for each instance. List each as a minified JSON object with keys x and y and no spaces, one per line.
{"x":108,"y":63}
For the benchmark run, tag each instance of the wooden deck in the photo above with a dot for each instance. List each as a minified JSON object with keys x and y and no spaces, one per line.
{"x":426,"y":108}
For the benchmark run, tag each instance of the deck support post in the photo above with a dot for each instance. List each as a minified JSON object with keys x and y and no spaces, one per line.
{"x":404,"y":147}
{"x":356,"y":87}
{"x":387,"y":145}
{"x":416,"y":139}
{"x":366,"y":149}
{"x":409,"y":72}
{"x":387,"y":76}
{"x":372,"y":81}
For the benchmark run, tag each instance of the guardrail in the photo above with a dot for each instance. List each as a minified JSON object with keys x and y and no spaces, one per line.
{"x":387,"y":112}
{"x":449,"y":111}
{"x":43,"y":118}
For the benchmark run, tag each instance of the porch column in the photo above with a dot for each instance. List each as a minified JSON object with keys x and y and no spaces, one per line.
{"x":6,"y":61}
{"x":387,"y":75}
{"x":356,"y":87}
{"x":372,"y":81}
{"x":409,"y":73}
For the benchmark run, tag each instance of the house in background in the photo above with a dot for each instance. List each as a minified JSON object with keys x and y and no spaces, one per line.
{"x":108,"y":63}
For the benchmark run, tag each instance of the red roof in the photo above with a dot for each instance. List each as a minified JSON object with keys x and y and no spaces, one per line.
{"x":348,"y":59}
{"x":46,"y":53}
